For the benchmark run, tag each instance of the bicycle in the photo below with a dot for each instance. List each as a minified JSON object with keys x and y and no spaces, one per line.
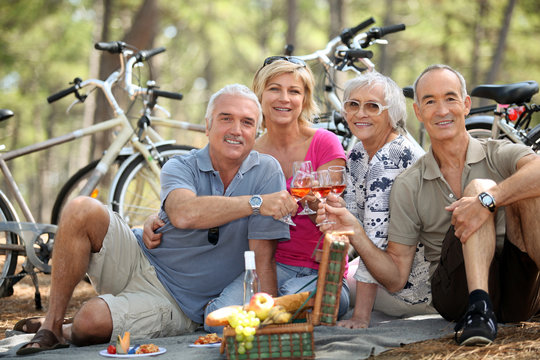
{"x":134,"y":191}
{"x":341,"y":55}
{"x":34,"y":240}
{"x":511,"y":115}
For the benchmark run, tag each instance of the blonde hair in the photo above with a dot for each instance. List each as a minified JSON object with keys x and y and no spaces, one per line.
{"x":279,"y":67}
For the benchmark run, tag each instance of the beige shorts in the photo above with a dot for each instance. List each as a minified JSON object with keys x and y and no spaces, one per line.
{"x":127,"y":282}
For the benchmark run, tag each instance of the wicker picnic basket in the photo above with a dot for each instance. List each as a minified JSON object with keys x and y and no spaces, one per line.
{"x":295,"y":340}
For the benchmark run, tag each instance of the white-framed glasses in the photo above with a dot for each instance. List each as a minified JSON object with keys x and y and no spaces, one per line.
{"x":370,"y":108}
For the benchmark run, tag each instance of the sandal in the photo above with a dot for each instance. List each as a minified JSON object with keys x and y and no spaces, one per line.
{"x":33,"y":324}
{"x":46,"y":341}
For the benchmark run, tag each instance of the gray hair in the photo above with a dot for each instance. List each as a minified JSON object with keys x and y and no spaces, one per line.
{"x":393,"y":96}
{"x":233,"y":89}
{"x":441,"y":67}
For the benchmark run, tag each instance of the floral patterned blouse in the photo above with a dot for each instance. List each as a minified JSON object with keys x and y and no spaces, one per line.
{"x":367,"y":197}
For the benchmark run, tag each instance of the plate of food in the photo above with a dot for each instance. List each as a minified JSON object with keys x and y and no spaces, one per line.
{"x":133,"y":349}
{"x":209,"y":340}
{"x":122,"y":349}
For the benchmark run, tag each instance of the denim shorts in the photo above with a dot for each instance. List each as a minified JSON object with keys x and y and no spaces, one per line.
{"x":127,"y":282}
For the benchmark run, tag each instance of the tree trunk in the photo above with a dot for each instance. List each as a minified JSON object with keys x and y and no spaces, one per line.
{"x":385,"y":58}
{"x":292,"y":21}
{"x":478,"y":34}
{"x":336,"y":17}
{"x":498,"y":56}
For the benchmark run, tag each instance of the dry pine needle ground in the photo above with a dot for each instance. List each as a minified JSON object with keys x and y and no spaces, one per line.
{"x":518,"y":341}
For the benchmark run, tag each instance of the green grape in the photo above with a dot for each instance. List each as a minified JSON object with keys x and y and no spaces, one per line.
{"x":255,"y":322}
{"x":239,"y":329}
{"x":241,"y":349}
{"x":239,"y":337}
{"x":250,"y":331}
{"x":250,"y":338}
{"x":248,"y":345}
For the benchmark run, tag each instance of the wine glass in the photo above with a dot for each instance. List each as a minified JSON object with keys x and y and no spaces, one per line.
{"x":338,"y":179}
{"x":301,"y":184}
{"x":321,"y":188}
{"x":287,"y":219}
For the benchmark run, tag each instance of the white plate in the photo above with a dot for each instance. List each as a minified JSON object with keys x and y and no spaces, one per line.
{"x":205,"y":345}
{"x":106,"y":354}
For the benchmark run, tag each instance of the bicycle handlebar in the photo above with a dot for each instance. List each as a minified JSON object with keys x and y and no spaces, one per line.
{"x":114,"y":47}
{"x":378,"y":32}
{"x":354,"y":42}
{"x":348,"y":33}
{"x":65,"y":92}
{"x":167,"y":94}
{"x":355,"y":54}
{"x":127,"y":62}
{"x":144,"y":55}
{"x":61,"y":94}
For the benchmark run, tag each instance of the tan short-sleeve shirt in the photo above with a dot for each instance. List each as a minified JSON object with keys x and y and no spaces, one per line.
{"x":421,"y":193}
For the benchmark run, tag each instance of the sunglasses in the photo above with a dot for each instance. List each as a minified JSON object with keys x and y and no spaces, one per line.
{"x":213,"y":235}
{"x":290,"y":59}
{"x":370,"y":108}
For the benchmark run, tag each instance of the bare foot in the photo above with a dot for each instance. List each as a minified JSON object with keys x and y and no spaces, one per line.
{"x":353,"y":323}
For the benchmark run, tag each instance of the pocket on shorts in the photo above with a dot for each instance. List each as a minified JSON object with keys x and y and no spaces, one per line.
{"x":152,"y":323}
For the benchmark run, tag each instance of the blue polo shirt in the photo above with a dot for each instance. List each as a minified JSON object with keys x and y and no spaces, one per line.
{"x":193,"y":270}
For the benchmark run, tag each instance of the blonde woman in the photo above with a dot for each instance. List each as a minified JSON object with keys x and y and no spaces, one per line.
{"x":284,"y":86}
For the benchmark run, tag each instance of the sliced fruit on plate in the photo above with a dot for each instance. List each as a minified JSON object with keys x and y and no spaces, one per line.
{"x":122,"y":343}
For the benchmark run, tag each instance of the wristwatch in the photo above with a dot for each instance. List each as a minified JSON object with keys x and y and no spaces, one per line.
{"x":487,"y":201}
{"x":256,"y":202}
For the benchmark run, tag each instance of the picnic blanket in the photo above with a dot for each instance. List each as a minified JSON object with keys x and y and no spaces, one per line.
{"x":330,"y":342}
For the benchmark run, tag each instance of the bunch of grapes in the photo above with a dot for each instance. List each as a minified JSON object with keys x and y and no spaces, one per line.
{"x":245,"y":324}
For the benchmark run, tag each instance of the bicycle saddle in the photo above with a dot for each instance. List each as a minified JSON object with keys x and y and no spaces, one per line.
{"x":516,"y":93}
{"x":5,"y":114}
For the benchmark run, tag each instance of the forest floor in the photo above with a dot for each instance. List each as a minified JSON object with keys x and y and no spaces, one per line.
{"x":519,"y":341}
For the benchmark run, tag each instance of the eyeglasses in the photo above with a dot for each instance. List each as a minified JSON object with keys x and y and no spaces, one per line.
{"x":213,"y":235}
{"x":370,"y":108}
{"x":291,"y":59}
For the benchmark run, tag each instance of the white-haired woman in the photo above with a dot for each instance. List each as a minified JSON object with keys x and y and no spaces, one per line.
{"x":375,"y":110}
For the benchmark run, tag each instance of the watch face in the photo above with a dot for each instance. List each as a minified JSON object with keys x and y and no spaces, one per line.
{"x":487,"y":200}
{"x":255,"y":201}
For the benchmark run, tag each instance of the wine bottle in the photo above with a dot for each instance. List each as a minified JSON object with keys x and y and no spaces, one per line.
{"x":251,"y":280}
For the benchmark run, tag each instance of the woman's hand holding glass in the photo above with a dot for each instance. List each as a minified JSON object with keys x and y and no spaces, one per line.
{"x":301,"y":184}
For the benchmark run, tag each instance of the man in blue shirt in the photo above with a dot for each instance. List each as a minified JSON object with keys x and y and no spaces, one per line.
{"x":217,"y":202}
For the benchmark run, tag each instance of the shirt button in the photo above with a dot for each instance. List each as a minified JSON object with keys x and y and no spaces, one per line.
{"x":451,"y":196}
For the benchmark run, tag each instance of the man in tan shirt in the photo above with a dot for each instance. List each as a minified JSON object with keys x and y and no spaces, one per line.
{"x":474,"y":206}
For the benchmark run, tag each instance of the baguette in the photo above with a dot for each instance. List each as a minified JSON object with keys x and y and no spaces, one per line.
{"x":220,"y":317}
{"x":292,"y":302}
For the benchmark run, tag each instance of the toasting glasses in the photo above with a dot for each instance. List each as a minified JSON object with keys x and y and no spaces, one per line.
{"x":321,"y":188}
{"x":301,"y":183}
{"x":338,"y":179}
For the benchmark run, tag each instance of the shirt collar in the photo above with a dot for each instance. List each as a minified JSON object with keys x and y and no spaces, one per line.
{"x":205,"y":164}
{"x":475,"y":153}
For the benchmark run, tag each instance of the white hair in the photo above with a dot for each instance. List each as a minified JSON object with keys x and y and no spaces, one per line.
{"x":233,"y":89}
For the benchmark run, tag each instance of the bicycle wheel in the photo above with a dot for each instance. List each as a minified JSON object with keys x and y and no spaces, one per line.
{"x":135,"y":196}
{"x":533,"y":139}
{"x":74,"y":185}
{"x":8,"y":258}
{"x":479,"y":126}
{"x":480,"y":133}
